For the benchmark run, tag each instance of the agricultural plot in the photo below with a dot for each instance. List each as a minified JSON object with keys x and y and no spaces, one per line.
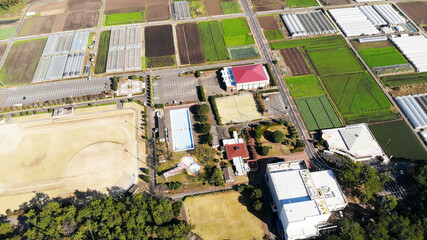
{"x":124,"y":6}
{"x":295,"y":61}
{"x":21,"y":62}
{"x":81,"y":20}
{"x":230,"y":7}
{"x":301,"y":3}
{"x":125,"y":49}
{"x":36,"y":25}
{"x":304,"y":86}
{"x":243,"y":52}
{"x":7,"y":32}
{"x":102,"y":55}
{"x":237,"y":108}
{"x":189,"y":44}
{"x":159,"y":45}
{"x":213,"y":7}
{"x":358,"y":97}
{"x":157,"y":10}
{"x":317,"y":113}
{"x":3,"y":47}
{"x":213,"y":42}
{"x":334,"y":2}
{"x":404,"y":79}
{"x":334,"y":41}
{"x":270,"y":28}
{"x":416,"y":10}
{"x":273,"y":35}
{"x":334,"y":61}
{"x":267,"y":5}
{"x":197,"y":8}
{"x":181,"y":10}
{"x":397,"y":140}
{"x":124,"y":18}
{"x":379,"y":57}
{"x":236,"y":32}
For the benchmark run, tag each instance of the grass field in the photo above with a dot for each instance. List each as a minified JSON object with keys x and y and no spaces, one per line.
{"x":101,"y":59}
{"x":162,"y":61}
{"x":397,"y":140}
{"x":333,"y":61}
{"x":379,"y":57}
{"x":212,"y":40}
{"x":230,"y":7}
{"x":317,"y":113}
{"x":243,"y":52}
{"x":273,"y":34}
{"x":222,"y":216}
{"x":124,"y":18}
{"x":334,"y":41}
{"x":236,"y":32}
{"x":405,"y":79}
{"x":7,"y":32}
{"x":301,"y":3}
{"x":237,"y":108}
{"x":197,"y":9}
{"x":304,"y":86}
{"x":76,"y":153}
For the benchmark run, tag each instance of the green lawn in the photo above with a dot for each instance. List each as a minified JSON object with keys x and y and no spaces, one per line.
{"x":7,"y":32}
{"x":304,"y":86}
{"x":317,"y":113}
{"x":397,"y":140}
{"x":405,"y":79}
{"x":124,"y":18}
{"x":334,"y":61}
{"x":311,"y":43}
{"x":379,"y":57}
{"x":301,"y":3}
{"x":273,"y":34}
{"x":230,"y":7}
{"x":212,"y":41}
{"x":243,"y":52}
{"x":101,"y":60}
{"x":236,"y":32}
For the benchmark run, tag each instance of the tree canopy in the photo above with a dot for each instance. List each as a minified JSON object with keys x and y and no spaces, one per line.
{"x":278,"y":137}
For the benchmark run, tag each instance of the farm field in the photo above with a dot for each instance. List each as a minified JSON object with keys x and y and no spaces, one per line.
{"x":3,"y":47}
{"x":268,"y":22}
{"x":273,"y":35}
{"x":159,"y":41}
{"x":124,"y":6}
{"x":7,"y":32}
{"x":222,"y":216}
{"x":392,"y":135}
{"x":230,"y":7}
{"x":197,"y":8}
{"x":416,"y":10}
{"x":304,"y":86}
{"x":124,"y":18}
{"x":102,"y":55}
{"x":379,"y":57}
{"x":267,"y":5}
{"x":334,"y":2}
{"x":334,"y":41}
{"x":301,"y":3}
{"x":380,"y":44}
{"x":243,"y":52}
{"x":358,"y":97}
{"x":36,"y":25}
{"x":237,"y":108}
{"x":294,"y":59}
{"x":236,"y":32}
{"x":189,"y":44}
{"x":22,"y":61}
{"x":317,"y":113}
{"x":212,"y":40}
{"x":157,"y":10}
{"x":76,"y":153}
{"x":81,"y":20}
{"x":161,"y":61}
{"x":404,"y":79}
{"x":334,"y":61}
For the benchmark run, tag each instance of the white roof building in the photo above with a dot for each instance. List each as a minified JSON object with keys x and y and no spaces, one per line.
{"x":353,"y":22}
{"x":413,"y":107}
{"x":303,"y":200}
{"x":182,"y":137}
{"x":353,"y":141}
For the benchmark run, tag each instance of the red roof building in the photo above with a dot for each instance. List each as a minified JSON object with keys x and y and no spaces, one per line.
{"x":236,"y":150}
{"x":245,"y":77}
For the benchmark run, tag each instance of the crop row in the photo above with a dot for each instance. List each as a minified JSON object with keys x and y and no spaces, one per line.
{"x":212,"y":40}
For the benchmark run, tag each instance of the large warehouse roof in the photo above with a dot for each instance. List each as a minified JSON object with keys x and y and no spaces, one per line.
{"x":415,"y":50}
{"x":250,"y":73}
{"x":307,"y":23}
{"x":182,"y":137}
{"x":389,"y":14}
{"x":414,"y":108}
{"x":353,"y":22}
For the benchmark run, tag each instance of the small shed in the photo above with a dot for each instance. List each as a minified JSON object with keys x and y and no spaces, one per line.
{"x":228,"y":174}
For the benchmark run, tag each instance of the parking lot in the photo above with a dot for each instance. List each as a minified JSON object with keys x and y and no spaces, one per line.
{"x":274,"y":105}
{"x":173,"y":88}
{"x":397,"y":186}
{"x":210,"y":84}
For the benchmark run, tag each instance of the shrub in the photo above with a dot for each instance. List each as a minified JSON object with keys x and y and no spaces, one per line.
{"x":145,"y":178}
{"x":257,"y":205}
{"x":215,"y":110}
{"x":260,"y":103}
{"x":278,"y":137}
{"x":206,"y":139}
{"x":201,"y":118}
{"x":258,"y":132}
{"x":203,"y":128}
{"x":202,"y":96}
{"x":264,"y":150}
{"x":174,"y":185}
{"x":202,"y":109}
{"x":256,"y":193}
{"x":115,"y":83}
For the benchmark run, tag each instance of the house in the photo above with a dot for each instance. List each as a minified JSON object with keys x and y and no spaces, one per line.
{"x":245,"y":77}
{"x":228,"y":174}
{"x":303,"y":200}
{"x":355,"y":142}
{"x":237,"y":151}
{"x":161,"y":129}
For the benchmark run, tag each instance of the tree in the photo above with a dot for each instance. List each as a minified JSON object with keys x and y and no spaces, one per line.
{"x":299,"y":143}
{"x":202,"y":109}
{"x":6,"y":230}
{"x":278,"y":137}
{"x":257,"y":205}
{"x":258,"y":132}
{"x":203,"y":118}
{"x":351,"y":230}
{"x":256,"y":193}
{"x":282,"y":122}
{"x":204,"y":128}
{"x":204,"y":153}
{"x":174,"y":185}
{"x":115,"y":83}
{"x":264,"y":150}
{"x":216,"y":178}
{"x":206,"y":139}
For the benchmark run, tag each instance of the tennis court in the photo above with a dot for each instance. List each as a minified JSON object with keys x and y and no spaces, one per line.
{"x":237,"y":108}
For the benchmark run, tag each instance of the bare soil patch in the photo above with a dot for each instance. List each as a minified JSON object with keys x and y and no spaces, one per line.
{"x":416,"y":10}
{"x":334,"y":2}
{"x":113,"y":5}
{"x":268,"y":23}
{"x":59,"y":22}
{"x":295,"y":61}
{"x":267,"y":5}
{"x":213,"y":7}
{"x":37,"y":25}
{"x":159,"y":41}
{"x":410,"y":89}
{"x":156,"y":2}
{"x":379,"y":44}
{"x":190,"y":44}
{"x":79,"y":20}
{"x":3,"y":47}
{"x":48,"y":6}
{"x":157,"y":13}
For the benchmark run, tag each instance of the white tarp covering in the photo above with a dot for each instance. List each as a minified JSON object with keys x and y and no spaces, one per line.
{"x":353,"y":22}
{"x":415,"y":50}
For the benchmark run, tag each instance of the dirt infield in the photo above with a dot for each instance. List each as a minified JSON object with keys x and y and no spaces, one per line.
{"x":80,"y":20}
{"x":189,"y":44}
{"x":157,"y":13}
{"x":159,"y":41}
{"x":416,"y":10}
{"x":3,"y":47}
{"x":68,"y":154}
{"x":267,"y":5}
{"x":37,"y":25}
{"x":334,"y":2}
{"x":268,"y":23}
{"x":295,"y":61}
{"x":213,"y":7}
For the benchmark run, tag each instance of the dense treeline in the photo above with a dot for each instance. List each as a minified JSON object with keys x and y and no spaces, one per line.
{"x":136,"y":217}
{"x":6,"y":5}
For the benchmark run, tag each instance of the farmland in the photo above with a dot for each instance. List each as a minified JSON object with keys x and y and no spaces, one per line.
{"x":378,"y":57}
{"x":7,"y":32}
{"x":295,"y":61}
{"x":304,"y":86}
{"x":397,"y":140}
{"x":243,"y":52}
{"x":334,"y":61}
{"x":102,"y":56}
{"x":416,"y":10}
{"x":157,"y":10}
{"x":81,"y":19}
{"x":124,"y":18}
{"x":317,"y":113}
{"x":159,"y":41}
{"x":404,"y":79}
{"x":273,"y":34}
{"x":36,"y":25}
{"x":334,"y":41}
{"x":124,"y":6}
{"x":3,"y":47}
{"x":236,"y":32}
{"x":301,"y":3}
{"x":212,"y":40}
{"x":334,"y":2}
{"x":21,"y":62}
{"x":189,"y":44}
{"x":197,"y":8}
{"x":230,"y":7}
{"x":267,"y":5}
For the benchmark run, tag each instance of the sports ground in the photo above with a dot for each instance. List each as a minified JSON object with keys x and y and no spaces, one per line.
{"x":58,"y":156}
{"x":237,"y":108}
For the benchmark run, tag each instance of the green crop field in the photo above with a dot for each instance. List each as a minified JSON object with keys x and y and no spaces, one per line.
{"x":334,"y":61}
{"x":212,"y":41}
{"x":101,"y":60}
{"x":124,"y":18}
{"x":379,"y":57}
{"x":273,"y":34}
{"x":301,"y":3}
{"x":304,"y":86}
{"x":317,"y":113}
{"x":243,"y":52}
{"x":7,"y":32}
{"x":230,"y":7}
{"x":405,"y":79}
{"x":236,"y":32}
{"x":334,"y":41}
{"x":397,"y":140}
{"x":358,"y":97}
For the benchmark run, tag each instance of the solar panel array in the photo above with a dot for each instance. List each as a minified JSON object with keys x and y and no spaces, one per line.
{"x":125,"y":49}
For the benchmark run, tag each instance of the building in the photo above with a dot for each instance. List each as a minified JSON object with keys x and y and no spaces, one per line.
{"x":182,"y":136}
{"x":303,"y":200}
{"x":228,"y":174}
{"x":415,"y":108}
{"x":245,"y":77}
{"x":237,"y":151}
{"x":161,"y":129}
